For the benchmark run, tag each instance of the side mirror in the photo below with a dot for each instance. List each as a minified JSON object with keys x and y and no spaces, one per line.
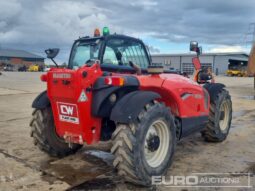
{"x":52,"y":52}
{"x":194,"y":47}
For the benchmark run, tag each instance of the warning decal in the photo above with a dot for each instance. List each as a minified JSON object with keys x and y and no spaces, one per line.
{"x":82,"y":97}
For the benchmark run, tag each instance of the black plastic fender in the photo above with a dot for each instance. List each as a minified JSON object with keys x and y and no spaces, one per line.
{"x":41,"y":101}
{"x":127,"y":109}
{"x":213,"y":89}
{"x":101,"y":105}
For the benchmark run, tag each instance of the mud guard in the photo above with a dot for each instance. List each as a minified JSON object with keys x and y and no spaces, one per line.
{"x":101,"y":105}
{"x":213,"y":89}
{"x":41,"y":101}
{"x":128,"y":107}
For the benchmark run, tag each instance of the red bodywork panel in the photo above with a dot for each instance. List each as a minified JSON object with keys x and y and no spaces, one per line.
{"x":70,"y":95}
{"x":73,"y":118}
{"x":185,"y":97}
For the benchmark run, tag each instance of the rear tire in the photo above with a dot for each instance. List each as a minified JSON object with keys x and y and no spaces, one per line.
{"x":220,"y":117}
{"x":45,"y":137}
{"x":145,"y":148}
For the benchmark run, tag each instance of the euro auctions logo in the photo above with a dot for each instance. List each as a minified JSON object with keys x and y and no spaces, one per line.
{"x":175,"y":180}
{"x":225,"y":180}
{"x":68,"y":112}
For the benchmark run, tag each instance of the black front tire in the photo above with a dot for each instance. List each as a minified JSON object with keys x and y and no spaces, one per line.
{"x":45,"y":137}
{"x":214,"y":131}
{"x":128,"y":145}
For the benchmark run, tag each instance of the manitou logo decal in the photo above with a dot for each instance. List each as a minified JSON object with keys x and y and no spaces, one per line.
{"x":62,"y":75}
{"x":68,"y":112}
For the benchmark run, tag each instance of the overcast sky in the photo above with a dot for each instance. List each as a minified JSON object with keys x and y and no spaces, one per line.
{"x":166,"y":26}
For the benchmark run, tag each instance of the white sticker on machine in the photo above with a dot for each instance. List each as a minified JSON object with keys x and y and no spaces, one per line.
{"x":68,"y":112}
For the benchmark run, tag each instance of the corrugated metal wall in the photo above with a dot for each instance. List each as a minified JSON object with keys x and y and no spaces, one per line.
{"x":217,"y":62}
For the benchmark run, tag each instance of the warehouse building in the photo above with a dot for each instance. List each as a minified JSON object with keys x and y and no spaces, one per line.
{"x":219,"y":62}
{"x":18,"y":58}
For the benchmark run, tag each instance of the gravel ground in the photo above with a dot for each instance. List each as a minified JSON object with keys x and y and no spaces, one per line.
{"x":24,"y":167}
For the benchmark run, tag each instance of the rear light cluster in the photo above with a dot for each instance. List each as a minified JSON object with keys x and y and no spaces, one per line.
{"x":44,"y":77}
{"x":114,"y":81}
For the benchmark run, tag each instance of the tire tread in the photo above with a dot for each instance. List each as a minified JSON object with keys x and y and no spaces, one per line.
{"x":40,"y":120}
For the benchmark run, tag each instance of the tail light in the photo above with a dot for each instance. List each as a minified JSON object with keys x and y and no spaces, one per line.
{"x":44,"y":77}
{"x":114,"y":81}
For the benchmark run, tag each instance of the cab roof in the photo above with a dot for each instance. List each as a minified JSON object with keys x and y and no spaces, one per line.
{"x":111,"y":36}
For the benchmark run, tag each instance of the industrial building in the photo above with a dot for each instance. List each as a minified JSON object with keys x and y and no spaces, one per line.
{"x":18,"y":58}
{"x":219,"y":62}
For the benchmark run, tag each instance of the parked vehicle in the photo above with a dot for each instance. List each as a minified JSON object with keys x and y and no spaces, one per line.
{"x":33,"y":68}
{"x":236,"y":72}
{"x":9,"y":68}
{"x":22,"y":68}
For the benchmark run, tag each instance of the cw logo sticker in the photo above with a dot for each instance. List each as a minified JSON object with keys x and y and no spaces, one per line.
{"x":68,"y":112}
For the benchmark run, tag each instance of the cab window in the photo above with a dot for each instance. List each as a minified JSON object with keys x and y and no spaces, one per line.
{"x":121,"y":51}
{"x":83,"y":52}
{"x":110,"y":56}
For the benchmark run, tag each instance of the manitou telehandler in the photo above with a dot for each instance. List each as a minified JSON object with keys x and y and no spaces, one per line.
{"x":111,"y":90}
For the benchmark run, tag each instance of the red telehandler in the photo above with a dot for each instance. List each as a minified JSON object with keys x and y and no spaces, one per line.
{"x":112,"y":91}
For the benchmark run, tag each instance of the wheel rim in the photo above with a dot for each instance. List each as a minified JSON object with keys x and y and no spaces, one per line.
{"x":224,"y":116}
{"x":155,"y":152}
